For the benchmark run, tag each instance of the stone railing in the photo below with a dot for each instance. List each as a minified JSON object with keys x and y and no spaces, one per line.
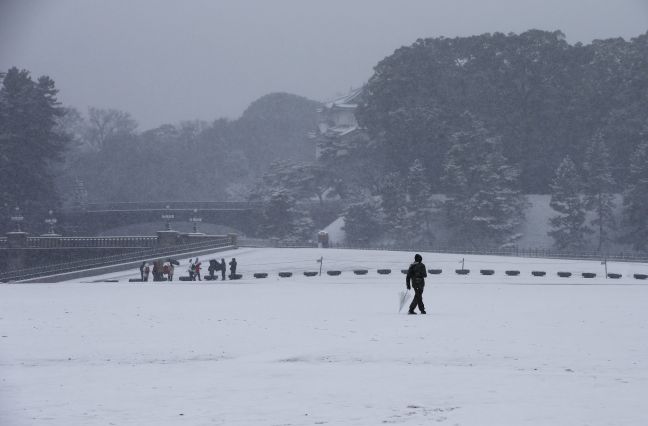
{"x":173,"y":205}
{"x":88,"y":242}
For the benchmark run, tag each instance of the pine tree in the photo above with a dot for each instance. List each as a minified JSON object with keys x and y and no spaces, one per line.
{"x":599,"y":188}
{"x":275,"y":218}
{"x":482,"y":205}
{"x":282,"y":218}
{"x":569,"y":229}
{"x":635,"y":200}
{"x":363,"y":222}
{"x":392,"y":201}
{"x":30,"y":142}
{"x":415,"y":222}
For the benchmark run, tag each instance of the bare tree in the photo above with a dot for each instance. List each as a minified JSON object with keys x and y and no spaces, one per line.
{"x":108,"y":124}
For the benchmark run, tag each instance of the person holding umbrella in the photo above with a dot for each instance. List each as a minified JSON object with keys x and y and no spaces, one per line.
{"x":416,"y":278}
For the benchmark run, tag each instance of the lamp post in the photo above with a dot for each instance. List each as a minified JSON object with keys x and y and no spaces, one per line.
{"x":168,"y":216}
{"x":195,"y":219}
{"x":51,"y":221}
{"x":17,"y":217}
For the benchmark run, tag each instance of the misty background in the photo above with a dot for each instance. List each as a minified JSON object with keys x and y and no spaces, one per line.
{"x":453,"y":123}
{"x":166,"y":61}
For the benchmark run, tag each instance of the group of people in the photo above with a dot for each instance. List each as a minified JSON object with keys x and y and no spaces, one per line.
{"x":160,"y":270}
{"x":195,"y":267}
{"x":163,"y":271}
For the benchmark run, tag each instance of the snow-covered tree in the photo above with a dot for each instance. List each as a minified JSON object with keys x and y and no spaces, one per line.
{"x":482,"y":206}
{"x":599,"y":188}
{"x":281,"y":218}
{"x":415,"y":217}
{"x":301,"y":180}
{"x":393,"y":198}
{"x":363,"y":222}
{"x":635,"y":200}
{"x":568,"y":227}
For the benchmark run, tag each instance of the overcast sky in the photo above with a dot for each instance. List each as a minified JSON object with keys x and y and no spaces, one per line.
{"x":165,"y":61}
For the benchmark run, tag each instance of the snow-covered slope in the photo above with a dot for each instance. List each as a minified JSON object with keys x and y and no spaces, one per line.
{"x":493,"y":350}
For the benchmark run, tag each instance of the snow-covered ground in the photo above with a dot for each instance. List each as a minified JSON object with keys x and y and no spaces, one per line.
{"x":493,"y":350}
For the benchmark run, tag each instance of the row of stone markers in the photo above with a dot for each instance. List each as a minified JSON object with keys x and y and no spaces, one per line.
{"x":287,"y":274}
{"x":457,"y":271}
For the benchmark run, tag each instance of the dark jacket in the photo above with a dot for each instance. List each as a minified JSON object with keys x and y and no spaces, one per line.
{"x":416,"y":274}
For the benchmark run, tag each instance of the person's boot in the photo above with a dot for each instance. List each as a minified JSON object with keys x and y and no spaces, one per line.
{"x":423,"y":312}
{"x":411,"y":313}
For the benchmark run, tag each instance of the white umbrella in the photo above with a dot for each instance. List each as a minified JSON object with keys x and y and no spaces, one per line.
{"x":403,"y":298}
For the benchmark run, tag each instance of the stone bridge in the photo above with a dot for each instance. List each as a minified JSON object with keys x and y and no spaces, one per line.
{"x":23,"y":256}
{"x":98,"y":217}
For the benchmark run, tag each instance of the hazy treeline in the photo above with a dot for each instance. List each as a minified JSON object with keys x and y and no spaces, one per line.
{"x":544,"y":97}
{"x":495,"y":116}
{"x":481,"y":120}
{"x":193,"y":160}
{"x":52,"y":156}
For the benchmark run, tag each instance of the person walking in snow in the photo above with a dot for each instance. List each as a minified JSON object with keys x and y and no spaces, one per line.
{"x":142,"y":266}
{"x":223,"y":268}
{"x":416,"y":278}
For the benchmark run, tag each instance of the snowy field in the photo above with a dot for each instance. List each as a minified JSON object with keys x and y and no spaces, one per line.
{"x":493,"y":350}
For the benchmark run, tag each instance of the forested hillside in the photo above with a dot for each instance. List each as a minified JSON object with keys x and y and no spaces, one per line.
{"x":192,"y":160}
{"x":542,"y":96}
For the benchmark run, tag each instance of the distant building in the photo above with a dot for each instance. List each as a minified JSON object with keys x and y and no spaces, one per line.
{"x":337,"y":121}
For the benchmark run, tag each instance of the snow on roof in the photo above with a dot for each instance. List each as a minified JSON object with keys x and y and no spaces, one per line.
{"x":341,"y":130}
{"x":346,"y":101}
